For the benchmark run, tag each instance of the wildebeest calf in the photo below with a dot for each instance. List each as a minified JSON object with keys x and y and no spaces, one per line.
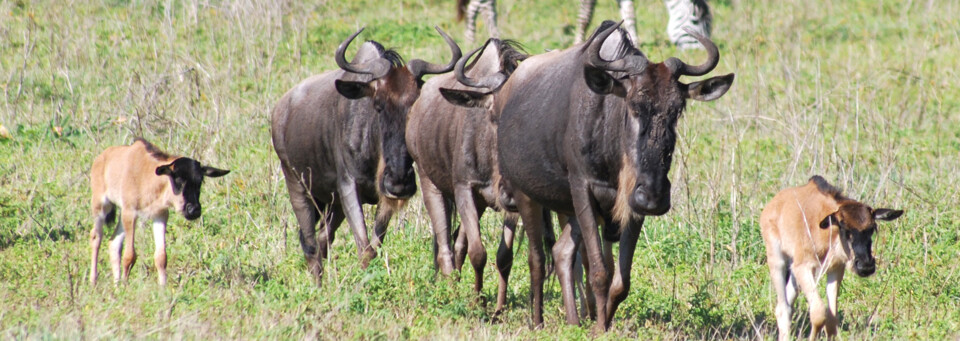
{"x":811,"y":230}
{"x":143,"y":182}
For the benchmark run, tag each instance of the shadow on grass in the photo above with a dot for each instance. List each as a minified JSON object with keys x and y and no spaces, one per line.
{"x":10,"y":237}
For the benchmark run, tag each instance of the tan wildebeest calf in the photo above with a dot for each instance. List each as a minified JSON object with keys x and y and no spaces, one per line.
{"x":143,"y":182}
{"x":811,"y":230}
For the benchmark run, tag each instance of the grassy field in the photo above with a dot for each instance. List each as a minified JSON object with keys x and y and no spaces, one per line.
{"x":862,"y":92}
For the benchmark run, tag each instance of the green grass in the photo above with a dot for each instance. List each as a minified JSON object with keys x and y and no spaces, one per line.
{"x":861,"y":92}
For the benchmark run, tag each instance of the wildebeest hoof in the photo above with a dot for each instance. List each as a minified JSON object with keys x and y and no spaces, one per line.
{"x":366,"y":257}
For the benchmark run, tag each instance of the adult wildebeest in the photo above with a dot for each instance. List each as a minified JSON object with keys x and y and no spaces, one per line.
{"x":589,"y":132}
{"x":811,"y":230}
{"x":454,"y":146}
{"x":143,"y":182}
{"x":340,"y":139}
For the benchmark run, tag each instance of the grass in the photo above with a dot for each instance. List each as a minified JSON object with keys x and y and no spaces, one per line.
{"x":861,"y":92}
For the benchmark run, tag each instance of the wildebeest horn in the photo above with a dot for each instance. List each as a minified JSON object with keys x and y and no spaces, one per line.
{"x":491,"y":82}
{"x":629,"y":63}
{"x":377,"y":68}
{"x":679,"y":68}
{"x":420,"y":67}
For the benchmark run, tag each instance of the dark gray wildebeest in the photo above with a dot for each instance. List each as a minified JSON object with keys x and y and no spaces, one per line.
{"x":589,"y":132}
{"x":143,"y":182}
{"x":453,"y":141}
{"x":340,"y":139}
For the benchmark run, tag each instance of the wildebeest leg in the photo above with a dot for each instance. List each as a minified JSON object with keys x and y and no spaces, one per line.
{"x":459,"y":246}
{"x":620,"y":286}
{"x":532,"y":215}
{"x":589,"y":304}
{"x":808,"y":285}
{"x":470,"y":215}
{"x":115,"y":248}
{"x":385,"y":212}
{"x":160,"y":246}
{"x":505,"y":258}
{"x":331,"y":218}
{"x":549,"y":239}
{"x":598,"y":275}
{"x":129,"y":218}
{"x":352,"y":208}
{"x":834,"y":278}
{"x":439,"y":211}
{"x":778,"y":277}
{"x":306,"y":212}
{"x":102,"y":210}
{"x":564,"y":254}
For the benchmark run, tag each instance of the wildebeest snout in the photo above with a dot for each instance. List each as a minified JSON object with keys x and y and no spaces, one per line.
{"x":191,"y":211}
{"x":865,"y":266}
{"x":651,"y":197}
{"x":399,"y":186}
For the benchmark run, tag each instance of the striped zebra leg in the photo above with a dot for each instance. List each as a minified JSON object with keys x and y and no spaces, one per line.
{"x":474,"y":8}
{"x":492,"y":19}
{"x":692,"y":14}
{"x":629,"y":19}
{"x":583,"y":20}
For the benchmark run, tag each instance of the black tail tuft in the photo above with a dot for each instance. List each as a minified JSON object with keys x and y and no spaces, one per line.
{"x":111,"y":216}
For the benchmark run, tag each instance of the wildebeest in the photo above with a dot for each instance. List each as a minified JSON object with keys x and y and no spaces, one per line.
{"x":811,"y":230}
{"x":141,"y":181}
{"x":340,"y":139}
{"x":454,"y":146}
{"x":589,"y":132}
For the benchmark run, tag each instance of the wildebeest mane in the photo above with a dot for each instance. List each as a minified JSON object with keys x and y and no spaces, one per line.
{"x":625,"y":47}
{"x":389,"y":54}
{"x":511,"y":53}
{"x":153,"y":150}
{"x":826,"y":188}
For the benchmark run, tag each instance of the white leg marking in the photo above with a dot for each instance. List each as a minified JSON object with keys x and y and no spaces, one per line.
{"x":160,"y":247}
{"x":116,"y":247}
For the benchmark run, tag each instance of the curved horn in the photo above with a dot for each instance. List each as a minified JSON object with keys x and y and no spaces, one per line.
{"x":419,"y":67}
{"x":491,"y":82}
{"x":713,"y":57}
{"x":627,"y":63}
{"x":377,"y":68}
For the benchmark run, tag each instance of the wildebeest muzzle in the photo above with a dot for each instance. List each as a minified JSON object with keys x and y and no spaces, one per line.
{"x":651,"y":197}
{"x":191,"y":211}
{"x":398,"y":186}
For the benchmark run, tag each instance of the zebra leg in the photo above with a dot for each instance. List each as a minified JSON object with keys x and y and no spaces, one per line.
{"x":583,"y":20}
{"x":629,"y":19}
{"x":491,"y":9}
{"x":472,"y":10}
{"x":690,"y":14}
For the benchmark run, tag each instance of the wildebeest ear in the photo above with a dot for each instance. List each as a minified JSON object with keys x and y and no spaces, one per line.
{"x":603,"y":83}
{"x":466,"y":98}
{"x":828,"y":221}
{"x":165,"y":170}
{"x":354,"y":90}
{"x":709,"y":89}
{"x":886,"y":214}
{"x":214,"y":172}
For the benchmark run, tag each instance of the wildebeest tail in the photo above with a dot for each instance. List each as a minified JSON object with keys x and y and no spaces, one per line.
{"x":111,"y":216}
{"x":462,"y":9}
